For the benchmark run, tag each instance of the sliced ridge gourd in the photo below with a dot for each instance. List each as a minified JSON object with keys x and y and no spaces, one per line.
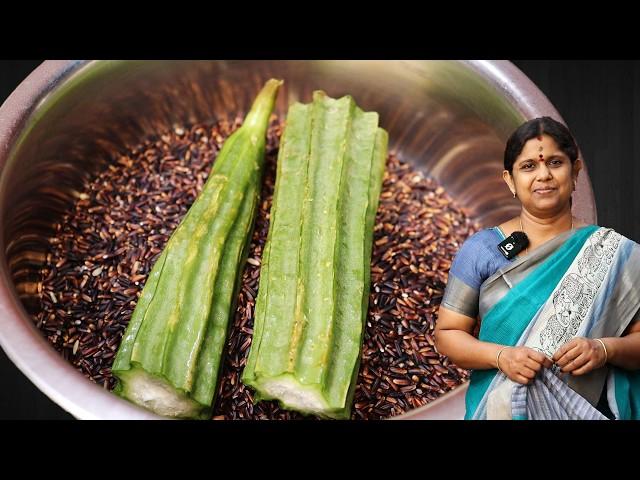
{"x":379,"y":161}
{"x":353,"y":258}
{"x":329,"y":142}
{"x":224,"y":300}
{"x":275,"y":316}
{"x":276,"y":358}
{"x":310,"y":323}
{"x":171,"y":352}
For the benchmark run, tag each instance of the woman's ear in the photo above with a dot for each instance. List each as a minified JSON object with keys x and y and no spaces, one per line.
{"x":508,"y":179}
{"x":577,"y":166}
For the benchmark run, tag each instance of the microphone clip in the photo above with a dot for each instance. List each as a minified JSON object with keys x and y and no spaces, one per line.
{"x":513,"y":244}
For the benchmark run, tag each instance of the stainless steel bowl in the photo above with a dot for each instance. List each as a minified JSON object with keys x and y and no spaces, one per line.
{"x":449,"y":118}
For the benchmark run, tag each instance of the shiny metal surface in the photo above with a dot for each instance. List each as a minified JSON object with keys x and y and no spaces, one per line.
{"x":449,"y":118}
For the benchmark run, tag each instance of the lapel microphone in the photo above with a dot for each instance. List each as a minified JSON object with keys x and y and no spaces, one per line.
{"x":513,"y":244}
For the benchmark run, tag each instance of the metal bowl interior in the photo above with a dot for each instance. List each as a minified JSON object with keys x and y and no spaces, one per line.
{"x":448,"y":118}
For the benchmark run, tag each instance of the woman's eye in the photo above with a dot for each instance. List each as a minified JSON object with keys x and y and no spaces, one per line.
{"x":556,"y":162}
{"x":527,"y":166}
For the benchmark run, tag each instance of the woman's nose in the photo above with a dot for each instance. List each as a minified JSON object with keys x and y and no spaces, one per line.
{"x":544,"y":172}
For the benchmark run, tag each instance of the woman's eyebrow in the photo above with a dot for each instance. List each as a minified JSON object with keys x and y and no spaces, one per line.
{"x":523,"y":160}
{"x":560,"y":155}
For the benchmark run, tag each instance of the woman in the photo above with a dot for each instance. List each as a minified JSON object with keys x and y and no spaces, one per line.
{"x":559,"y":333}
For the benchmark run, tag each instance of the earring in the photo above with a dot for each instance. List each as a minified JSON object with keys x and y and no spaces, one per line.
{"x":514,"y":194}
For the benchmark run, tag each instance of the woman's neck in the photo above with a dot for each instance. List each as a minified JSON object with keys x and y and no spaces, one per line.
{"x":541,"y":229}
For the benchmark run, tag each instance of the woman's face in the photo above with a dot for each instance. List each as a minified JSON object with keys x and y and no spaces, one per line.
{"x":543,"y":177}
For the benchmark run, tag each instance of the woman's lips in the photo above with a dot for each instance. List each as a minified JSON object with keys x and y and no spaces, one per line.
{"x":544,"y":191}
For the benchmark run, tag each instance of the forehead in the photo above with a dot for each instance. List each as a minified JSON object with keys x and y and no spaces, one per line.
{"x":531,"y":148}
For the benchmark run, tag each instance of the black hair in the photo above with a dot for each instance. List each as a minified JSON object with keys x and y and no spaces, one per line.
{"x":535,"y":128}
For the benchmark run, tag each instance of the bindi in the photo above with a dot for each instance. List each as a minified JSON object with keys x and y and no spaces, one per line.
{"x":540,"y":148}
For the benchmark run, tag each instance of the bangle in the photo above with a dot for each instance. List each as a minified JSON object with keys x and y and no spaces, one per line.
{"x":606,"y":355}
{"x":498,"y":358}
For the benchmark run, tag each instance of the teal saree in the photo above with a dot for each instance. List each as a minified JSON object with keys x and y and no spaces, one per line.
{"x":582,"y":283}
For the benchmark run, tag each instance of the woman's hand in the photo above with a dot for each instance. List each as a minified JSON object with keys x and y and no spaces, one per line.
{"x":521,"y":364}
{"x":580,"y":355}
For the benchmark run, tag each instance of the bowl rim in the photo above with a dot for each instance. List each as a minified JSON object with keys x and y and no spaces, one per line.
{"x":25,"y":346}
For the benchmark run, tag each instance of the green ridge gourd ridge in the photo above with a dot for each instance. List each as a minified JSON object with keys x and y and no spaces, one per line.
{"x":315,"y":276}
{"x":169,"y":359}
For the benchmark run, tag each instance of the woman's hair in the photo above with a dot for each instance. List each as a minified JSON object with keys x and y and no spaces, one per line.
{"x":534,"y":128}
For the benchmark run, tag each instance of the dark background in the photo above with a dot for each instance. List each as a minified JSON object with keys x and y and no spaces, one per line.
{"x":600,"y":102}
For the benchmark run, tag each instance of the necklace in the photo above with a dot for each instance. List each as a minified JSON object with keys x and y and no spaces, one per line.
{"x":526,"y":250}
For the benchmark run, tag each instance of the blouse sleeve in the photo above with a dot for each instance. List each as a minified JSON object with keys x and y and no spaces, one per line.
{"x":465,"y":277}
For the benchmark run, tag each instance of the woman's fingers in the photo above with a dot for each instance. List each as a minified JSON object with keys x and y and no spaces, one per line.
{"x":540,"y":358}
{"x":523,"y":364}
{"x":533,"y":364}
{"x":586,"y":368}
{"x":564,"y":349}
{"x":577,"y":362}
{"x":568,"y":356}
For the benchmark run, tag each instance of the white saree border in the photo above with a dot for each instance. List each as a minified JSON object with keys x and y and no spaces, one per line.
{"x":566,"y":314}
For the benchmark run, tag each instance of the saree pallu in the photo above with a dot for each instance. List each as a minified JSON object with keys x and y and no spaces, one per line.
{"x":583,"y":283}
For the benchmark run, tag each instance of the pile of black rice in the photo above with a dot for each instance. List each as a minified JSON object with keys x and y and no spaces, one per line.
{"x":108,"y":241}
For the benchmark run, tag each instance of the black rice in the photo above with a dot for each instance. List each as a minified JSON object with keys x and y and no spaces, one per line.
{"x":106,"y":244}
